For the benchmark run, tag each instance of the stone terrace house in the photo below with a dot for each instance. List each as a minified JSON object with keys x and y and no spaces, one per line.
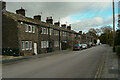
{"x":27,"y":36}
{"x":19,"y":33}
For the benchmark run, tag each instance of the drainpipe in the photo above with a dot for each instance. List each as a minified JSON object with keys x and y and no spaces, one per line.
{"x":59,"y":41}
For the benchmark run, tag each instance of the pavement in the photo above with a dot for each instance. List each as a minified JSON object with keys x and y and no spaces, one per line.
{"x":95,"y":62}
{"x":110,"y":67}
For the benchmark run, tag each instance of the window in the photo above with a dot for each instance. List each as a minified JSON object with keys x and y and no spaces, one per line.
{"x":44,"y":44}
{"x":26,"y":28}
{"x":33,"y":29}
{"x":44,"y":30}
{"x":29,"y":28}
{"x":56,"y":43}
{"x":75,"y":35}
{"x":30,"y":44}
{"x":56,"y":32}
{"x":64,"y":34}
{"x":27,"y":45}
{"x":50,"y":31}
{"x":78,"y":35}
{"x":23,"y":45}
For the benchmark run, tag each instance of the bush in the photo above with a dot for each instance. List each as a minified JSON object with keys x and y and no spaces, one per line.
{"x":10,"y":51}
{"x":118,"y":50}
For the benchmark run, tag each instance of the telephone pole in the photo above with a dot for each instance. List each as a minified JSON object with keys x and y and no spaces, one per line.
{"x":113,"y":26}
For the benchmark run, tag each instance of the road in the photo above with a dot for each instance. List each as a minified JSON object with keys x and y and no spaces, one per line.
{"x":75,"y":64}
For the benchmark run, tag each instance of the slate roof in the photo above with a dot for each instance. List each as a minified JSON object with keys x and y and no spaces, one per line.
{"x":21,"y":18}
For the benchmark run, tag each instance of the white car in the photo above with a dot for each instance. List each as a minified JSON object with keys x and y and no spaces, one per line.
{"x":84,"y":46}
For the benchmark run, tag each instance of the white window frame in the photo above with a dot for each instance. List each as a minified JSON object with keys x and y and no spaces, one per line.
{"x":30,"y":45}
{"x":30,"y":28}
{"x":44,"y":44}
{"x":23,"y":45}
{"x":46,"y":30}
{"x":33,"y":29}
{"x":26,"y":47}
{"x":56,"y":43}
{"x":50,"y":31}
{"x":26,"y":28}
{"x":47,"y":44}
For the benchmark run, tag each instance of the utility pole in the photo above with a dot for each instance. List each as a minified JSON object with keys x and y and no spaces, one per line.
{"x":113,"y":26}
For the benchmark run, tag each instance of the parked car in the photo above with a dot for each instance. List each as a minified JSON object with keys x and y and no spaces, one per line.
{"x":93,"y":44}
{"x":77,"y":47}
{"x":88,"y":45}
{"x":84,"y":46}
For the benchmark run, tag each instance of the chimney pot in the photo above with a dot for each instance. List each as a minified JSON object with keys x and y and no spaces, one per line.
{"x":49,"y":20}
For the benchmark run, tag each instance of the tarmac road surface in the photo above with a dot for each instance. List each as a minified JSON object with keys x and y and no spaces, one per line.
{"x":75,"y":64}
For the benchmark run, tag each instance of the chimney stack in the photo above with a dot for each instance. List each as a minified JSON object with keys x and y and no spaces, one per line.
{"x":49,"y":20}
{"x":21,"y":11}
{"x":63,"y":25}
{"x":69,"y":27}
{"x":37,"y":17}
{"x":80,"y":32}
{"x":3,"y":5}
{"x":57,"y":23}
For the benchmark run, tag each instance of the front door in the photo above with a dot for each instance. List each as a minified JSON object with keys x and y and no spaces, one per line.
{"x":35,"y":48}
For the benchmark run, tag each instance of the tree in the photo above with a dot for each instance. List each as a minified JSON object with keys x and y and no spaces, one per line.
{"x":106,"y":29}
{"x":92,"y":32}
{"x":106,"y":35}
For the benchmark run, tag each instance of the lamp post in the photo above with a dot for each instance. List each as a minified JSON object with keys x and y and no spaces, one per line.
{"x":113,"y":27}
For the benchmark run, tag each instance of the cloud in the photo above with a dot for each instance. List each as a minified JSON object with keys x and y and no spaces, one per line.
{"x":56,"y":9}
{"x":64,"y":11}
{"x":91,"y":23}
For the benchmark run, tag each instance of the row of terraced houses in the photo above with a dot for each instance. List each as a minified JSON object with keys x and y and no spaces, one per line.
{"x":22,"y":35}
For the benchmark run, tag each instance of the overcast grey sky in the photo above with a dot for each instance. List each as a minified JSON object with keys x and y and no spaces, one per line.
{"x":82,"y":15}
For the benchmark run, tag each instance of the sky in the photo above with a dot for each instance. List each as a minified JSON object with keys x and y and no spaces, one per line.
{"x":81,"y":15}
